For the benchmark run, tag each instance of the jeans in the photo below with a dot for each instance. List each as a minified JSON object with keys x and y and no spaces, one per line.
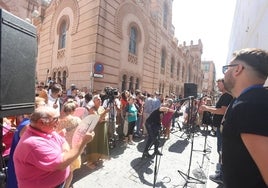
{"x":138,"y":125}
{"x":219,"y":140}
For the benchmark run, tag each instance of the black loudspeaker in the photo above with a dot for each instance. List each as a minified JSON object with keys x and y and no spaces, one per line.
{"x":190,"y":89}
{"x":18,"y":48}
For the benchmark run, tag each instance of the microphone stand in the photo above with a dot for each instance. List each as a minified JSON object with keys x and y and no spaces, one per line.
{"x":190,"y":123}
{"x":156,"y":166}
{"x":205,"y":150}
{"x":187,"y":129}
{"x":206,"y":132}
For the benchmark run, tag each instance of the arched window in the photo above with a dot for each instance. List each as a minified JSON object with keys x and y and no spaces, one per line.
{"x":137,"y":83}
{"x":54,"y":76}
{"x":163,"y":61}
{"x":64,"y":78}
{"x":131,"y":79}
{"x":62,"y":34}
{"x":59,"y":78}
{"x":133,"y":40}
{"x":172,"y":68}
{"x":124,"y":82}
{"x":178,"y":71}
{"x":165,"y":15}
{"x":182,"y":74}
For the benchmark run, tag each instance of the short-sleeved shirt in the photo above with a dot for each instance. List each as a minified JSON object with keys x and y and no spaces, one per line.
{"x":37,"y":157}
{"x":247,"y":114}
{"x":166,"y":120}
{"x":224,"y":100}
{"x":148,"y":105}
{"x":51,"y":101}
{"x":155,"y":118}
{"x":132,"y":110}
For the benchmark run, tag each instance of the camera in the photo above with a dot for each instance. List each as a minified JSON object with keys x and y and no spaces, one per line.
{"x":110,"y":93}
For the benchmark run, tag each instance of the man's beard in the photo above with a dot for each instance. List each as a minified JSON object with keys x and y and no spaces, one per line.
{"x":229,"y":83}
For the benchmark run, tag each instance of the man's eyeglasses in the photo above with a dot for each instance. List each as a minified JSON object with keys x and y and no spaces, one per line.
{"x":226,"y":67}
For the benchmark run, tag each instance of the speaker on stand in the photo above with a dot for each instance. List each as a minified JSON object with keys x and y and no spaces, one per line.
{"x":18,"y":49}
{"x":190,"y":89}
{"x":17,"y":65}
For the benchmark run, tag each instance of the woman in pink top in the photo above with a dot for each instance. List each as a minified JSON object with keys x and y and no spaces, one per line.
{"x":68,"y":124}
{"x":167,"y":118}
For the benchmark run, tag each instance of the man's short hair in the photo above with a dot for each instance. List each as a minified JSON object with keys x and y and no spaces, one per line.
{"x":220,"y":80}
{"x":255,"y":58}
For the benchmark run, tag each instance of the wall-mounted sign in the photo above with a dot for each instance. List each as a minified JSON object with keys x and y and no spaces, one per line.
{"x":98,"y":68}
{"x":95,"y":75}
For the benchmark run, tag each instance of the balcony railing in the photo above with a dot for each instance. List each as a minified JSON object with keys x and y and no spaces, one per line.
{"x":61,"y":53}
{"x":132,"y":58}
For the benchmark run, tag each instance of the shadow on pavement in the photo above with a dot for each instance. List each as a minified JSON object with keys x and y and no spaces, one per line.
{"x":179,"y":146}
{"x":142,"y":167}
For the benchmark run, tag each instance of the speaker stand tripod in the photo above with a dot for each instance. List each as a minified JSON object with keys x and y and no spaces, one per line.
{"x":205,"y":150}
{"x":186,"y":176}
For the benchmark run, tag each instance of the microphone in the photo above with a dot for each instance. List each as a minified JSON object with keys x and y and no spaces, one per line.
{"x":183,"y":99}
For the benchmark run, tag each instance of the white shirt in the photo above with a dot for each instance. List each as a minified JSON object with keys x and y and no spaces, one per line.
{"x":51,"y":101}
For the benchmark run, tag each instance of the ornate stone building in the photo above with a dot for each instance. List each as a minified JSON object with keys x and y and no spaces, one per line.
{"x":125,"y":44}
{"x":209,"y":80}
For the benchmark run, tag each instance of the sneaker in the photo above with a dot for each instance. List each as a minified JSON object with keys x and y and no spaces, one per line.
{"x":213,"y":132}
{"x":218,"y":168}
{"x":146,"y":155}
{"x":124,"y":145}
{"x":131,"y":143}
{"x":158,"y":153}
{"x":217,"y":178}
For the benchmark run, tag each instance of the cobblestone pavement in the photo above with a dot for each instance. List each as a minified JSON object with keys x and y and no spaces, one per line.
{"x":187,"y":161}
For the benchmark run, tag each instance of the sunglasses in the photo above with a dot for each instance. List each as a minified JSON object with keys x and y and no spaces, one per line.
{"x":226,"y":67}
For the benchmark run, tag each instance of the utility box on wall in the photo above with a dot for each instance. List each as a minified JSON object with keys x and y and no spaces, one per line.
{"x":18,"y":51}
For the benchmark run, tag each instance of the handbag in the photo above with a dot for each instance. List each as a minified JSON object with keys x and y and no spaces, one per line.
{"x":125,"y":128}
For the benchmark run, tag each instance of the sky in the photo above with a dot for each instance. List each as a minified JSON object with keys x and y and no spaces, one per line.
{"x":208,"y":20}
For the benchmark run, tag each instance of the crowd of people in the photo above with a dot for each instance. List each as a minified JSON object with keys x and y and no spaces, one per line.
{"x":44,"y":142}
{"x":57,"y":116}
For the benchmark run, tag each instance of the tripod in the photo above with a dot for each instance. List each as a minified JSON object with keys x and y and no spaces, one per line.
{"x":190,"y":123}
{"x":206,"y":150}
{"x":205,"y":122}
{"x":111,"y":122}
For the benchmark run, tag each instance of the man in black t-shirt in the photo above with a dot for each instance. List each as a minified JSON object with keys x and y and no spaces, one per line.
{"x":153,"y":126}
{"x":218,"y":111}
{"x":245,"y":130}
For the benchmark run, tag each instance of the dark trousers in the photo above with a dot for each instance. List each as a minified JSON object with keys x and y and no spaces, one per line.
{"x":153,"y":137}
